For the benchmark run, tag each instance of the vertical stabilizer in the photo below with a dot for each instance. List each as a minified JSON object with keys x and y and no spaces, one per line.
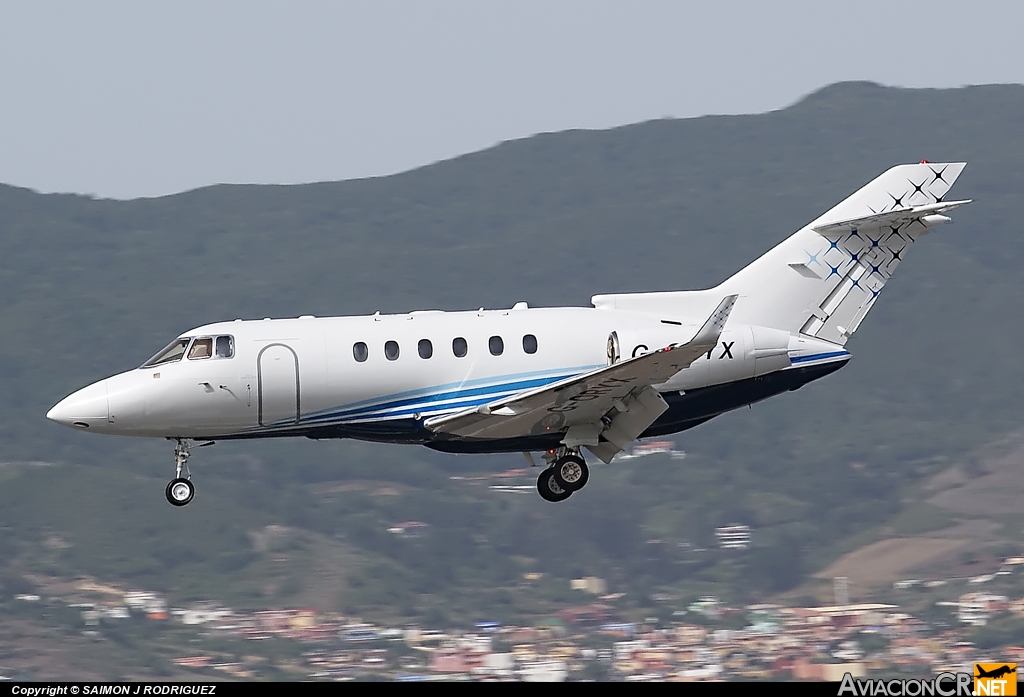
{"x":823,"y":279}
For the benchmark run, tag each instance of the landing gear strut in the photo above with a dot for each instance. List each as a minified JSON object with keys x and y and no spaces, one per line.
{"x":179,"y":490}
{"x":567,"y":472}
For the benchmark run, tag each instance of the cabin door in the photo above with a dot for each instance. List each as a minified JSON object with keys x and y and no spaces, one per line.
{"x":277,"y":378}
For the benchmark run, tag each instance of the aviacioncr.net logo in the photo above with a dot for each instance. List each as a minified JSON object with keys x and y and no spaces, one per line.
{"x":995,"y":679}
{"x":942,"y":685}
{"x":989,"y":679}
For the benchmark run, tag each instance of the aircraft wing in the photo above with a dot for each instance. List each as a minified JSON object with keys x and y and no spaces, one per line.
{"x":604,"y":409}
{"x":898,"y":216}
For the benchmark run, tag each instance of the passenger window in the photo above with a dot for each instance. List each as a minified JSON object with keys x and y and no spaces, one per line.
{"x":496,"y":345}
{"x":360,"y":352}
{"x":225,"y":347}
{"x":201,"y":348}
{"x":530,"y":343}
{"x":425,"y":348}
{"x":391,"y":350}
{"x":460,"y":347}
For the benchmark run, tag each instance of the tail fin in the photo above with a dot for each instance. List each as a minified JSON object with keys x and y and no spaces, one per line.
{"x":823,"y":280}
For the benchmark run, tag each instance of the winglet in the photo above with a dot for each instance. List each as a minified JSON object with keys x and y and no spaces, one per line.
{"x":627,"y":386}
{"x":710,"y":331}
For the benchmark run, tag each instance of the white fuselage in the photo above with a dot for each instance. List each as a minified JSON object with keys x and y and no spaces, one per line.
{"x":549,"y":379}
{"x":302,"y":377}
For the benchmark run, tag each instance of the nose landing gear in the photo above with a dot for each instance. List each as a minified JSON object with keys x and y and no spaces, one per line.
{"x":180,"y":490}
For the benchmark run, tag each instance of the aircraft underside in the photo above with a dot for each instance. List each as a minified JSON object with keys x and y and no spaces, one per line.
{"x":685,"y":411}
{"x":567,"y":470}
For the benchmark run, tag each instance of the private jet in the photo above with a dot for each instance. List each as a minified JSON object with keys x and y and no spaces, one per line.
{"x":553,"y":381}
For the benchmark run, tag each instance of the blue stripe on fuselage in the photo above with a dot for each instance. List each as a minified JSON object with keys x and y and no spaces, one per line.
{"x":820,"y":356}
{"x":428,"y":399}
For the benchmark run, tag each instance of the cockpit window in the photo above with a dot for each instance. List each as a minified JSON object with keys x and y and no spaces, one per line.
{"x":201,"y":348}
{"x":225,"y":347}
{"x":174,"y":351}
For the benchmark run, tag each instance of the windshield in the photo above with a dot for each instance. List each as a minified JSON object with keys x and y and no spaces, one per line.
{"x":201,"y":348}
{"x":174,"y":351}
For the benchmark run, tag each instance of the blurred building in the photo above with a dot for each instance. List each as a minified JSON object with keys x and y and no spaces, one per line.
{"x":733,"y":536}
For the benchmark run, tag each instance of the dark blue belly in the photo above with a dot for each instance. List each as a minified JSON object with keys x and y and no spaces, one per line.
{"x":684,"y":411}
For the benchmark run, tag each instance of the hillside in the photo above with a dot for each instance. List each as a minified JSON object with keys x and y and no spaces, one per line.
{"x":92,"y":287}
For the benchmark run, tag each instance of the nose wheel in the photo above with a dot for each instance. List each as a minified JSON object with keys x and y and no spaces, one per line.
{"x":180,"y":490}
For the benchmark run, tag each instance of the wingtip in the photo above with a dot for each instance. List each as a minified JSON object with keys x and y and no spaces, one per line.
{"x":714,"y":324}
{"x":724,"y":309}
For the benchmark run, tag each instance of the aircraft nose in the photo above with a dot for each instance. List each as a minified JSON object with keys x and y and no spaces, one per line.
{"x":82,"y":409}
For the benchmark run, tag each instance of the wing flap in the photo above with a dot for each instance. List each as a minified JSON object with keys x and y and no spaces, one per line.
{"x":579,"y":405}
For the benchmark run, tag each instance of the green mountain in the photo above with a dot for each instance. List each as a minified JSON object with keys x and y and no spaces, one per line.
{"x":92,"y":287}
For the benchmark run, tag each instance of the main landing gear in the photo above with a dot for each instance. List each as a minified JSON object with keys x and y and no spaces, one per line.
{"x":180,"y":490}
{"x":567,"y":472}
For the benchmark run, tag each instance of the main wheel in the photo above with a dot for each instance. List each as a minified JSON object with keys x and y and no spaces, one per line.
{"x":179,"y":491}
{"x":548,"y":488}
{"x":571,"y":472}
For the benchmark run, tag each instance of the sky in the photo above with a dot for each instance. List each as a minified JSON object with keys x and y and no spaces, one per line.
{"x":138,"y":99}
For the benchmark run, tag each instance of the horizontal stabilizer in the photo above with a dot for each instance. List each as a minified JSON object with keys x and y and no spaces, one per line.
{"x":892,"y":219}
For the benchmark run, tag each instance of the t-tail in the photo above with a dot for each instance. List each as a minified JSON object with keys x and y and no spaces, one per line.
{"x":824,"y":279}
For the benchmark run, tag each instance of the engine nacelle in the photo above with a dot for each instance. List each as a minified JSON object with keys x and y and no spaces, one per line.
{"x":741,"y":352}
